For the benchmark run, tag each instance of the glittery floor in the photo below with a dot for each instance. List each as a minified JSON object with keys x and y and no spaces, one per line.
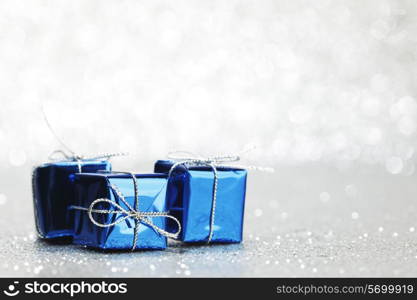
{"x":301,"y":221}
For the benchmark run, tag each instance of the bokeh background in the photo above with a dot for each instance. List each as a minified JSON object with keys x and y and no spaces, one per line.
{"x":324,"y":89}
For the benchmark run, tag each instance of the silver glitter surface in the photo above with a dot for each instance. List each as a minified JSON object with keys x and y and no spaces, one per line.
{"x":306,"y":221}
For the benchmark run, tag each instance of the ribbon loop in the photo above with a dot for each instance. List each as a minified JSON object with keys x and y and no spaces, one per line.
{"x":120,"y":210}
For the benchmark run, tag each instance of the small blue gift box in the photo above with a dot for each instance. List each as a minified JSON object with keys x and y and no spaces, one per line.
{"x":190,"y":198}
{"x":107,"y":216}
{"x":53,"y":192}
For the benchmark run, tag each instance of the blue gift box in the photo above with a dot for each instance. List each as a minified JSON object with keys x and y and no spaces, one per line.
{"x":116,"y":229}
{"x":190,"y":200}
{"x":53,"y":192}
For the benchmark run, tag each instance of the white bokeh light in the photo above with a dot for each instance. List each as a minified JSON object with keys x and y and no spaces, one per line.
{"x":17,"y":157}
{"x":394,"y":165}
{"x":3,"y":199}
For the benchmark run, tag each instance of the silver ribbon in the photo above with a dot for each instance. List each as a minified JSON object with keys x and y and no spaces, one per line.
{"x":68,"y":154}
{"x":131,"y":212}
{"x":61,"y":155}
{"x":189,"y":159}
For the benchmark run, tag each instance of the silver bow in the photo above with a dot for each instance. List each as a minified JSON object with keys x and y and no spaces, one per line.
{"x":61,"y":155}
{"x":130,"y":212}
{"x":68,"y":154}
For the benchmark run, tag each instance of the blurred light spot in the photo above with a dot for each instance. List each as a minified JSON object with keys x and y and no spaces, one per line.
{"x":86,"y":37}
{"x":170,"y":34}
{"x":407,"y":105}
{"x":355,"y":215}
{"x":264,"y":68}
{"x":412,"y":229}
{"x":281,"y":146}
{"x":324,"y":197}
{"x":394,"y":165}
{"x":407,"y":125}
{"x":338,"y":141}
{"x":128,"y":143}
{"x":17,"y":157}
{"x":258,"y":212}
{"x":405,"y":151}
{"x":380,"y":29}
{"x":370,"y":106}
{"x":300,"y":114}
{"x":171,"y":38}
{"x":273,"y":203}
{"x":374,"y":136}
{"x":380,"y":229}
{"x":290,"y":80}
{"x":351,"y":191}
{"x":379,"y":83}
{"x":343,"y":15}
{"x":3,"y":199}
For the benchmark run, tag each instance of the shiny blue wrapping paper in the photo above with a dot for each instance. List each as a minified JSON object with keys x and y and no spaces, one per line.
{"x":89,"y":187}
{"x":189,"y":199}
{"x":53,"y":192}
